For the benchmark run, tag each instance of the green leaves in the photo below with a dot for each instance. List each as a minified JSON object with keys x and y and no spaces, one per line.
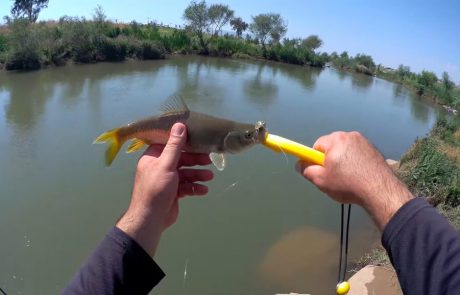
{"x":268,"y":27}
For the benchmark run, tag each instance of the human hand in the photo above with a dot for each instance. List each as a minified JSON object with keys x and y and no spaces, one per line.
{"x":159,"y":183}
{"x":355,"y":172}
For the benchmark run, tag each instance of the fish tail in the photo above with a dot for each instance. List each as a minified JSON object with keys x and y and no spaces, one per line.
{"x":114,"y":141}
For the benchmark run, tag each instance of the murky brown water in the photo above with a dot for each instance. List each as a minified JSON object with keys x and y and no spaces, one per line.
{"x":262,"y":229}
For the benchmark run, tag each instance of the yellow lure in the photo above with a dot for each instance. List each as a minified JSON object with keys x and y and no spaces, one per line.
{"x":343,"y":288}
{"x":281,"y":144}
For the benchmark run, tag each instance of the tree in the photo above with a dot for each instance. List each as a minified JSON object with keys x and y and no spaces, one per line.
{"x":239,"y":26}
{"x":28,"y":9}
{"x":425,"y":81}
{"x":448,"y":84}
{"x":312,"y":42}
{"x":268,"y":25}
{"x":403,"y":71}
{"x":206,"y":22}
{"x":365,"y":60}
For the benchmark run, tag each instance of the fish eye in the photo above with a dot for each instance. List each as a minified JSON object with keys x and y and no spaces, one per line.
{"x":248,"y":134}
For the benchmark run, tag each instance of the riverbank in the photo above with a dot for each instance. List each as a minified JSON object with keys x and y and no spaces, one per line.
{"x":31,"y":46}
{"x":430,"y":169}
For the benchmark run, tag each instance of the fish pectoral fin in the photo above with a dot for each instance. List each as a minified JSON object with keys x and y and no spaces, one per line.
{"x":218,"y":159}
{"x":136,"y":144}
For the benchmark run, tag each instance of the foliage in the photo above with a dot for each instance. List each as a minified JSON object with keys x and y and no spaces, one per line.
{"x":78,"y":36}
{"x":178,"y":40}
{"x":403,"y":72}
{"x":446,"y":82}
{"x":3,"y":43}
{"x":23,"y":47}
{"x":28,"y":9}
{"x":425,"y":81}
{"x":364,"y":60}
{"x":312,"y":42}
{"x":206,"y":22}
{"x":268,"y":26}
{"x":427,"y":169}
{"x":293,"y":51}
{"x":239,"y":26}
{"x":51,"y":44}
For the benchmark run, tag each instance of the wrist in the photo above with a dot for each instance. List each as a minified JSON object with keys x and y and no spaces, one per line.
{"x":382,"y":205}
{"x":141,"y":227}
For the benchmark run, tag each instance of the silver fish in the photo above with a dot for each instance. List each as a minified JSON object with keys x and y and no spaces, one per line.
{"x":205,"y":133}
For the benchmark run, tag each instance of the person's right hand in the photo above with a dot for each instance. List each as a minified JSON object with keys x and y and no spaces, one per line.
{"x":355,"y":172}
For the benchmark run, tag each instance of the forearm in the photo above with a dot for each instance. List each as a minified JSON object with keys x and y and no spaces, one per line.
{"x":117,"y":266}
{"x":424,"y":249}
{"x":388,"y":196}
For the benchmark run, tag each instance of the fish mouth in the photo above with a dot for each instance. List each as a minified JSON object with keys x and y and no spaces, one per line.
{"x":260,"y":130}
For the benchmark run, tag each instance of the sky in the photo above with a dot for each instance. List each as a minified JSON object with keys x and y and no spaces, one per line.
{"x":424,"y":35}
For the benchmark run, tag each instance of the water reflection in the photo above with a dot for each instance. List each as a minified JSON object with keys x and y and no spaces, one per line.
{"x":342,"y":75}
{"x":28,"y":94}
{"x":261,"y":89}
{"x":306,"y":76}
{"x":398,"y":90}
{"x":300,"y":252}
{"x":419,"y":110}
{"x":361,"y":82}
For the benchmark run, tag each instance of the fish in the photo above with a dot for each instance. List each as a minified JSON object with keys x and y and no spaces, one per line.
{"x":206,"y":134}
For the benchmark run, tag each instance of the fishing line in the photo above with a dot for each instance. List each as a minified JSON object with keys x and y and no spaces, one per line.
{"x":342,"y":285}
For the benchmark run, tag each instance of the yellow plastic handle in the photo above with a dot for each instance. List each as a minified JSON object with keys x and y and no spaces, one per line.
{"x":278,"y":144}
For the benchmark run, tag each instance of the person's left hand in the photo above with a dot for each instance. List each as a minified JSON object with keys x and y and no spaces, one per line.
{"x":159,"y":184}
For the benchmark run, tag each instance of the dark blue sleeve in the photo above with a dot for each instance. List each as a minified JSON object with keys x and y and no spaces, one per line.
{"x":117,"y":266}
{"x":424,"y":249}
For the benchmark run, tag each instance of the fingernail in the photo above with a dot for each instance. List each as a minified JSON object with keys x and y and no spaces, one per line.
{"x":178,"y":130}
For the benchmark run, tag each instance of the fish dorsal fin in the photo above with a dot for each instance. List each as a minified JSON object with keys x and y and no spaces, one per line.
{"x":218,"y":159}
{"x":136,"y":144}
{"x":173,"y":105}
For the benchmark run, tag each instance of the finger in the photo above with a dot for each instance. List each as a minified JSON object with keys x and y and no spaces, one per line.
{"x":310,"y":171}
{"x":191,"y":159}
{"x":193,"y":175}
{"x":322,"y":144}
{"x":154,"y":150}
{"x":192,"y":189}
{"x":172,"y":151}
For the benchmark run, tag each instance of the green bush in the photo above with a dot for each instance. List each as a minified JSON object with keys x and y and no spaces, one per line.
{"x":150,"y":50}
{"x":227,"y":46}
{"x":453,"y":196}
{"x":433,"y":174}
{"x":24,"y":53}
{"x":178,"y":40}
{"x":3,"y":43}
{"x":113,"y":49}
{"x":51,"y":44}
{"x":363,"y":70}
{"x":79,"y":38}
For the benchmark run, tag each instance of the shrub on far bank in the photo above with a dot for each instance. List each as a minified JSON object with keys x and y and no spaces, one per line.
{"x":24,"y":53}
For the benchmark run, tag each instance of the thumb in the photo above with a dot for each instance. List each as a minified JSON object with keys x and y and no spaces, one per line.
{"x":173,"y":149}
{"x":312,"y":172}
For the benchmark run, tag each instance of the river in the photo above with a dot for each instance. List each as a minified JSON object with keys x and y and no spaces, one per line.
{"x":262,"y":229}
